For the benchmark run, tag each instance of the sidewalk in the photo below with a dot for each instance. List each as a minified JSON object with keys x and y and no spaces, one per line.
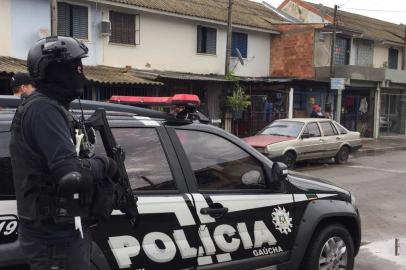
{"x":381,"y":145}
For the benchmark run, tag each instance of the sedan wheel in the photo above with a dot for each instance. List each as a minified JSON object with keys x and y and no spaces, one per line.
{"x":289,"y":158}
{"x":342,"y":155}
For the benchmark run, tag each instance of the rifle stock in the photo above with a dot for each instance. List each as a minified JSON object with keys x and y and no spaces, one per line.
{"x":125,"y":199}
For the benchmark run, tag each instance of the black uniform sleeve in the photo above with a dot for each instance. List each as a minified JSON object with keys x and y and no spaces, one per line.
{"x":47,"y":133}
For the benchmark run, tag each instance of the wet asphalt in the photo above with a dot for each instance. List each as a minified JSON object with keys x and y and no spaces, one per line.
{"x":378,"y":182}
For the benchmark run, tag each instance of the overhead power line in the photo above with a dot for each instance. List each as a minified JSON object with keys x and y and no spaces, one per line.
{"x":377,"y":10}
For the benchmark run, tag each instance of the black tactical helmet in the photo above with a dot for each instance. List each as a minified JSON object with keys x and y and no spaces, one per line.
{"x":53,"y":50}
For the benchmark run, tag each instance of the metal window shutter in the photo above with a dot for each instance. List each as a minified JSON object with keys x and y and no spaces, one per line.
{"x":393,"y":58}
{"x":211,"y":40}
{"x":64,"y":26}
{"x":122,"y":28}
{"x":79,"y":22}
{"x":239,"y":40}
{"x":199,"y":39}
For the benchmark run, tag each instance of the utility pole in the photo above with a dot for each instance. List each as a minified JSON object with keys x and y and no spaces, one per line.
{"x":333,"y":44}
{"x":54,"y":18}
{"x":404,"y":51}
{"x":332,"y":66}
{"x":229,"y":31}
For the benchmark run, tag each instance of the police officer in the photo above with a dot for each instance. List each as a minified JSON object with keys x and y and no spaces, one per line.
{"x":53,"y":185}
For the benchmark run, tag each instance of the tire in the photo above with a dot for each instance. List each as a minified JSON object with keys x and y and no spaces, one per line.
{"x":289,"y":158}
{"x":342,"y":155}
{"x":323,"y":254}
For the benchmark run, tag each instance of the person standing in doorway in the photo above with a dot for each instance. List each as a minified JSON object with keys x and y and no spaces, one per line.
{"x":268,"y":110}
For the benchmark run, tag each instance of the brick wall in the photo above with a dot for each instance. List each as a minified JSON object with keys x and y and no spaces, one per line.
{"x":292,"y":52}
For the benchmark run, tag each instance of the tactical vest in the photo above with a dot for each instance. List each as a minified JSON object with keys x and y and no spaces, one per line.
{"x":34,"y":184}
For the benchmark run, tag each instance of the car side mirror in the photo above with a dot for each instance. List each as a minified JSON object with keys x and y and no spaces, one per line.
{"x":279,"y":174}
{"x":305,"y":135}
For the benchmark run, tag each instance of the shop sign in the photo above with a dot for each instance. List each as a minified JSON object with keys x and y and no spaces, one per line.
{"x":337,"y":83}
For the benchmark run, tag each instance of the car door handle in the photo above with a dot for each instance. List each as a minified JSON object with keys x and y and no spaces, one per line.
{"x":321,"y":140}
{"x":338,"y":139}
{"x":214,"y":212}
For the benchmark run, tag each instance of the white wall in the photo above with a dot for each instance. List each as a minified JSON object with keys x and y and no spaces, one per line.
{"x":5,"y":27}
{"x":168,"y":43}
{"x":381,"y":53}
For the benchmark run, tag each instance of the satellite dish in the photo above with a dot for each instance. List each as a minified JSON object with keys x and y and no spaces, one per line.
{"x":239,"y":55}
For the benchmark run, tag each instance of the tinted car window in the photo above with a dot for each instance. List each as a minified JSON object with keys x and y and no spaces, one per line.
{"x":220,"y":164}
{"x":6,"y":175}
{"x":283,"y":128}
{"x":328,"y":129}
{"x":145,"y":159}
{"x":313,"y":130}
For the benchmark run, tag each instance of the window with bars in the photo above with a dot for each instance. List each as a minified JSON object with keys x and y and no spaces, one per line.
{"x":206,"y":40}
{"x":123,"y":28}
{"x":364,"y":52}
{"x":393,"y":58}
{"x":73,"y":21}
{"x":342,"y":51}
{"x":239,"y":41}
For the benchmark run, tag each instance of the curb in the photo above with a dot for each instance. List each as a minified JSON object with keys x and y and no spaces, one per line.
{"x":362,"y":152}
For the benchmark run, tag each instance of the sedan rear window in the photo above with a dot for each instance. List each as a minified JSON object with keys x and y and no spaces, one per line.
{"x":283,"y":128}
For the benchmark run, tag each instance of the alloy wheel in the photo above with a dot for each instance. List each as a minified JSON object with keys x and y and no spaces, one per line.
{"x":333,"y":255}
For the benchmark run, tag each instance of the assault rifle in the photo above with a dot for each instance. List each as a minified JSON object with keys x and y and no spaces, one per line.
{"x":125,"y":199}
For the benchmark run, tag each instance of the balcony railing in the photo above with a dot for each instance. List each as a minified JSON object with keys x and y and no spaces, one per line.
{"x":362,"y":73}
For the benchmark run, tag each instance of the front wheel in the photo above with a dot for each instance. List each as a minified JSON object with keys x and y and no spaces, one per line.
{"x":342,"y":155}
{"x":289,"y":158}
{"x":332,"y":248}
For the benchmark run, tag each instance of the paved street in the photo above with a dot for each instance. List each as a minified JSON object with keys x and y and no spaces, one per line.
{"x":378,"y":182}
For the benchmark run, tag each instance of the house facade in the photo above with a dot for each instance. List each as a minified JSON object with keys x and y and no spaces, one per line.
{"x":368,"y":55}
{"x":182,"y":43}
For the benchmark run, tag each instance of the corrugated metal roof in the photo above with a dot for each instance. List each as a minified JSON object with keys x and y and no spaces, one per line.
{"x":10,"y":65}
{"x":110,"y":75}
{"x":98,"y":74}
{"x":157,"y":74}
{"x":245,"y":13}
{"x":371,"y":28}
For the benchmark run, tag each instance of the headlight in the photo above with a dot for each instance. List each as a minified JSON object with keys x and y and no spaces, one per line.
{"x":353,"y":200}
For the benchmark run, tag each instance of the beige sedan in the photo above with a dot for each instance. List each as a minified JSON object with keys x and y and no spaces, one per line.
{"x":291,"y":140}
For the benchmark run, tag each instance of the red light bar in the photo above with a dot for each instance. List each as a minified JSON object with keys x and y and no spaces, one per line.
{"x":178,"y":99}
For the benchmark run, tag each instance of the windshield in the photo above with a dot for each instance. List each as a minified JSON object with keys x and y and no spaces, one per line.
{"x":283,"y":128}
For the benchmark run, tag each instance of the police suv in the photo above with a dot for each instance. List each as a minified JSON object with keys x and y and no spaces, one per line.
{"x":206,"y":199}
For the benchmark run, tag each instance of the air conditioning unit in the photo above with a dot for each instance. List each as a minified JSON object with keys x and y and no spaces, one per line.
{"x":105,"y":28}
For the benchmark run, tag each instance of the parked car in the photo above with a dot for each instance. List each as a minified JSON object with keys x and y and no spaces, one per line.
{"x":206,"y":199}
{"x":297,"y":139}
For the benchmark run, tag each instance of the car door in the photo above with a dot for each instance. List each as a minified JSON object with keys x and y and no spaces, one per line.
{"x":243,"y":222}
{"x":9,"y":247}
{"x":311,"y":146}
{"x":165,"y":236}
{"x":332,"y":139}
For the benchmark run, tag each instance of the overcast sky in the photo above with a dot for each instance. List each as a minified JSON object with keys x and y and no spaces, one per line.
{"x":389,"y":10}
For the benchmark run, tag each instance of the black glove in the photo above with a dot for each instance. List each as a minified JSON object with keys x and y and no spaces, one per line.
{"x":110,"y":168}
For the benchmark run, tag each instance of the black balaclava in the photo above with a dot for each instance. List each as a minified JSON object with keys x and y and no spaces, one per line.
{"x":63,"y":82}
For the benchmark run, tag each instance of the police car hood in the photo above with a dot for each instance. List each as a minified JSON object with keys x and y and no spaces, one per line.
{"x":314,"y":185}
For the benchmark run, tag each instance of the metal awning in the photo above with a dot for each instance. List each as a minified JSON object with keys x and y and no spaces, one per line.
{"x":97,"y":74}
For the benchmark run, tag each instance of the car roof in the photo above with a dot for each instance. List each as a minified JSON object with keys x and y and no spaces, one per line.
{"x":305,"y":120}
{"x":117,"y":114}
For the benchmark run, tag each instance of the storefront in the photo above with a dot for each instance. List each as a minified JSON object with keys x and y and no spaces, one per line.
{"x":392,"y":117}
{"x":357,"y":110}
